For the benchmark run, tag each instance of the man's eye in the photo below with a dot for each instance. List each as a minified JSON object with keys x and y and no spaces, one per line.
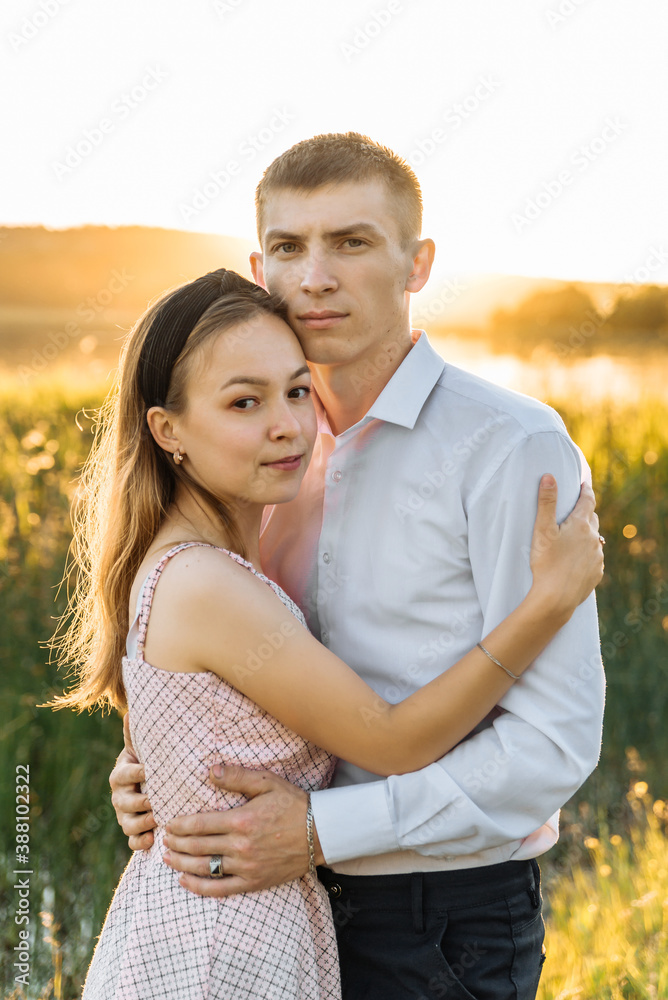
{"x":240,"y":404}
{"x":354,"y":242}
{"x":287,"y":247}
{"x":303,"y":390}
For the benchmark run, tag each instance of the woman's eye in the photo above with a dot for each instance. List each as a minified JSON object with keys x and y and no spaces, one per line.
{"x":240,"y":404}
{"x":302,"y":390}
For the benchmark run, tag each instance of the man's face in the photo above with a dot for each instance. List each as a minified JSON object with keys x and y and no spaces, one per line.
{"x":335,"y":255}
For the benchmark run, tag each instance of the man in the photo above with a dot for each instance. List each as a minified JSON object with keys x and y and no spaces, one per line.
{"x":407,"y":543}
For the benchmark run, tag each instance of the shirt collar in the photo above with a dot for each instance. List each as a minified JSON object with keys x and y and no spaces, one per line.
{"x":405,"y":394}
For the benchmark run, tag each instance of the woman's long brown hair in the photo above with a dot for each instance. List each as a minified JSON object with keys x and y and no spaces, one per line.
{"x":126,"y":488}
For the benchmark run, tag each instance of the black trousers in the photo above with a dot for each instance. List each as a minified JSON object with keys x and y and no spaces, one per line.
{"x":473,"y":934}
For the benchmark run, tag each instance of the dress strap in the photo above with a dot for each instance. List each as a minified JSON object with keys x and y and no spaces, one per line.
{"x":148,"y":589}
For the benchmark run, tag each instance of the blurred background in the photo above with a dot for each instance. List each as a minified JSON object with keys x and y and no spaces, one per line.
{"x":134,"y":137}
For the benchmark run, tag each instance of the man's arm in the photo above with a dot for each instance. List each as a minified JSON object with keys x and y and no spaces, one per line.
{"x":262,"y":843}
{"x":496,"y":788}
{"x":506,"y":781}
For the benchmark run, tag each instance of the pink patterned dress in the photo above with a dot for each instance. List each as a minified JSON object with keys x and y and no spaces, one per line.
{"x":161,"y":941}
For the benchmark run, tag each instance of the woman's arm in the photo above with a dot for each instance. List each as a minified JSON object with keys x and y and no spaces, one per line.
{"x":214,"y":615}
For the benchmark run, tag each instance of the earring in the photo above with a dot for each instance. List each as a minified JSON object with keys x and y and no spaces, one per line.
{"x":178,"y":457}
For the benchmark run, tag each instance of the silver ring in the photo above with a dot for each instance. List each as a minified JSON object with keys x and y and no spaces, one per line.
{"x":601,"y":539}
{"x":216,"y":867}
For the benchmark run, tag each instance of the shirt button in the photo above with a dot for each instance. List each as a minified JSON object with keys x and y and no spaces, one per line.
{"x":337,"y":476}
{"x":334,"y":890}
{"x":326,"y":558}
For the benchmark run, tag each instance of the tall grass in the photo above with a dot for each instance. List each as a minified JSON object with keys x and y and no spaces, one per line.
{"x":607,"y":917}
{"x":78,"y":851}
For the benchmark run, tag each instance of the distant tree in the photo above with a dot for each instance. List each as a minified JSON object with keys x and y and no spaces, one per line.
{"x":644,"y":312}
{"x":565,"y":319}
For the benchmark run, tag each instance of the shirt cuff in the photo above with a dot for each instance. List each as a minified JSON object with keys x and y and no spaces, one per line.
{"x":353,"y":821}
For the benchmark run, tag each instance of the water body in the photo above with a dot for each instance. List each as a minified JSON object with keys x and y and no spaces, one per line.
{"x":622,"y":380}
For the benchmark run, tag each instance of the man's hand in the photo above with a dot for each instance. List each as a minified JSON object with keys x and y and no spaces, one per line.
{"x":133,"y":809}
{"x":262,"y":842}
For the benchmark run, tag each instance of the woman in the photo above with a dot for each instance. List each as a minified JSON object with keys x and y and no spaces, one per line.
{"x":212,"y":421}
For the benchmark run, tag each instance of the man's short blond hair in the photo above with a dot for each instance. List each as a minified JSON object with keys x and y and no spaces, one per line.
{"x":339,"y":158}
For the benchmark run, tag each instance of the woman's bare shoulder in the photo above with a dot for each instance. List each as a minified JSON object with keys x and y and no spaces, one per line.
{"x":204,"y":601}
{"x":203,"y":571}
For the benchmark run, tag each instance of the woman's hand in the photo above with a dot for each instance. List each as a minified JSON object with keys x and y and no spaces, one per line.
{"x":133,"y":809}
{"x":566,"y":559}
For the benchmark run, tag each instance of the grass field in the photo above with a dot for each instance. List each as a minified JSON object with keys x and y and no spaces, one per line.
{"x":607,"y":878}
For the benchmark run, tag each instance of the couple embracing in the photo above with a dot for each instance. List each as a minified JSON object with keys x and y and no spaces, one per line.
{"x":330,"y":578}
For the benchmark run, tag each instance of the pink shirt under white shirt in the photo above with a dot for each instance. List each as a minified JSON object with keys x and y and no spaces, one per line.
{"x":408,"y":543}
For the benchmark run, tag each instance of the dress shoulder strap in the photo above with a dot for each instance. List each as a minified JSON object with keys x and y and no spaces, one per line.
{"x":148,"y":589}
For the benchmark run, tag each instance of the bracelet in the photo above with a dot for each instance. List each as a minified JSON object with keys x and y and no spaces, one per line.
{"x":309,"y":838}
{"x":515,"y":677}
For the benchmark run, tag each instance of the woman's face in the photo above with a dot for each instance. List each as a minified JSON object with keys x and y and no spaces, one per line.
{"x":249,"y":425}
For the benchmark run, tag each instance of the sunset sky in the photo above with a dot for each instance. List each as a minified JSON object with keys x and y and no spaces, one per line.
{"x":537,"y":129}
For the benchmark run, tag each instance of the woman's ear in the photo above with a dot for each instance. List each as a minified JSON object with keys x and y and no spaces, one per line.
{"x":161,"y":425}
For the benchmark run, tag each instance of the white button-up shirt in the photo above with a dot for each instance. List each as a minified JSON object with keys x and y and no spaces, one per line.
{"x":407,"y":544}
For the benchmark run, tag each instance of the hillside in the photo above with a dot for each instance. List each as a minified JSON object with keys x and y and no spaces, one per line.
{"x":67,"y":297}
{"x":60,"y":268}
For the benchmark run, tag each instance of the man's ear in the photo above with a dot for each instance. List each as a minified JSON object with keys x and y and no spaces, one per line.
{"x":257,"y":268}
{"x":161,"y":425}
{"x":423,"y":258}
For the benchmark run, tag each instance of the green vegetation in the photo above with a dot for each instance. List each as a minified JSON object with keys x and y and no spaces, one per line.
{"x":607,"y":934}
{"x":569,"y":320}
{"x":610,"y":951}
{"x":76,"y":848}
